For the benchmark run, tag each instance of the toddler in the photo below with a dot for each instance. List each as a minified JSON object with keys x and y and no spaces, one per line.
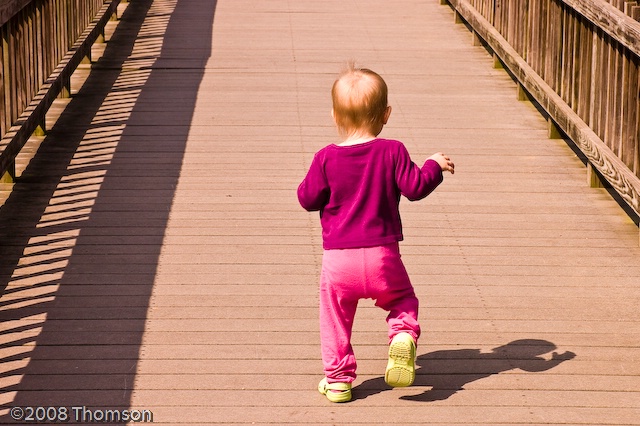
{"x":356,"y":186}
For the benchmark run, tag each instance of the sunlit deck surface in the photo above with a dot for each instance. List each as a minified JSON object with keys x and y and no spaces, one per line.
{"x":155,"y":257}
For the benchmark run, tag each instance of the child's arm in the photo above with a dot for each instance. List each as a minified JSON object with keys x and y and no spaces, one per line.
{"x":313,"y":192}
{"x":415,"y":182}
{"x":445,"y":162}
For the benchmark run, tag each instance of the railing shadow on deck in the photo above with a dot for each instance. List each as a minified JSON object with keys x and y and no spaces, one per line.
{"x":79,"y":258}
{"x":444,"y":373}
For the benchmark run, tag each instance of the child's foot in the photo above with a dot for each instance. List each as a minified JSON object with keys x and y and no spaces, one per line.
{"x":401,"y":370}
{"x":335,"y":392}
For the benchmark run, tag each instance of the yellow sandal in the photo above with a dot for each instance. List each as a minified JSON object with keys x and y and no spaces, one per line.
{"x":335,"y":392}
{"x":401,"y":370}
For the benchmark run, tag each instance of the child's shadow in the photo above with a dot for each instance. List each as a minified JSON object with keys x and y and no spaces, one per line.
{"x":447,"y":372}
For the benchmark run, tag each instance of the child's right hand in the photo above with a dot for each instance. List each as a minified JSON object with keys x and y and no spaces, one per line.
{"x":445,"y":162}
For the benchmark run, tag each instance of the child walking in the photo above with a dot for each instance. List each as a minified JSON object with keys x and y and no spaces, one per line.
{"x":356,"y":185}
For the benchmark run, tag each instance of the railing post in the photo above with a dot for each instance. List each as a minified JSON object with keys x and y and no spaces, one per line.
{"x":41,"y":129}
{"x":497,"y":63}
{"x":521,"y":93}
{"x":475,"y":39}
{"x":457,"y":18}
{"x":553,"y":132}
{"x":87,"y":59}
{"x":593,"y":177}
{"x":101,"y":38}
{"x":10,"y":174}
{"x":65,"y":93}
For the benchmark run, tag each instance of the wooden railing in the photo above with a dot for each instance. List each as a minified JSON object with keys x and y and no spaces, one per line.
{"x":579,"y":60}
{"x":42,"y":44}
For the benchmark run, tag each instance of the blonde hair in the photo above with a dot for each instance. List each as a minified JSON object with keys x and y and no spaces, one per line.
{"x":359,"y":101}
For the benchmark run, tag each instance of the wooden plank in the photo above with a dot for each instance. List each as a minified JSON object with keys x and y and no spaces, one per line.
{"x":597,"y":120}
{"x":567,"y":57}
{"x":534,"y":56}
{"x":576,"y":62}
{"x":618,"y":100}
{"x":498,"y":11}
{"x":4,"y":122}
{"x":32,"y":55}
{"x":636,"y":83}
{"x":610,"y":90}
{"x":21,"y":78}
{"x":626,"y":140}
{"x":544,"y":34}
{"x":554,"y":46}
{"x":629,"y":108}
{"x":10,"y":99}
{"x":39,"y":56}
{"x":523,"y":30}
{"x":511,"y":21}
{"x":586,"y":76}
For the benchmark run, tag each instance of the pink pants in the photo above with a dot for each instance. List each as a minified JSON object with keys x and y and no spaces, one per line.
{"x":365,"y":273}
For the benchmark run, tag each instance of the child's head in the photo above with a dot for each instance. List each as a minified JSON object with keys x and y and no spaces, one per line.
{"x":359,"y":102}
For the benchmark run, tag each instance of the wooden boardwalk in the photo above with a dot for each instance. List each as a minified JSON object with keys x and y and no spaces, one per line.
{"x":155,"y":256}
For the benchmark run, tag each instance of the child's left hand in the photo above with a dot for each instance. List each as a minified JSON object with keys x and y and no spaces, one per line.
{"x":445,"y":162}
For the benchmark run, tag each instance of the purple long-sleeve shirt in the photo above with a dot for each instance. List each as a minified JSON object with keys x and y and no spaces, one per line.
{"x":357,"y":190}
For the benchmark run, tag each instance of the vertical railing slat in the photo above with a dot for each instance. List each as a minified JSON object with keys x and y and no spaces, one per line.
{"x":4,"y":122}
{"x":586,"y":73}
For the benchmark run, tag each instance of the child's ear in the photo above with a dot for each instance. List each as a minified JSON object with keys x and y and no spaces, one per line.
{"x":387,"y":113}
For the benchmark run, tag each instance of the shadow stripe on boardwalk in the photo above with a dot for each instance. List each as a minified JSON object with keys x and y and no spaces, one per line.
{"x":49,"y":310}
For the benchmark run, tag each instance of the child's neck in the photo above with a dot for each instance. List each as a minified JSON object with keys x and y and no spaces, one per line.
{"x":357,"y":139}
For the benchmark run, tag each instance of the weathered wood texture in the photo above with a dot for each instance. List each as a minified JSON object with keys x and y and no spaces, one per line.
{"x":42,"y":43}
{"x":580,"y":61}
{"x":10,"y":8}
{"x":155,"y":255}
